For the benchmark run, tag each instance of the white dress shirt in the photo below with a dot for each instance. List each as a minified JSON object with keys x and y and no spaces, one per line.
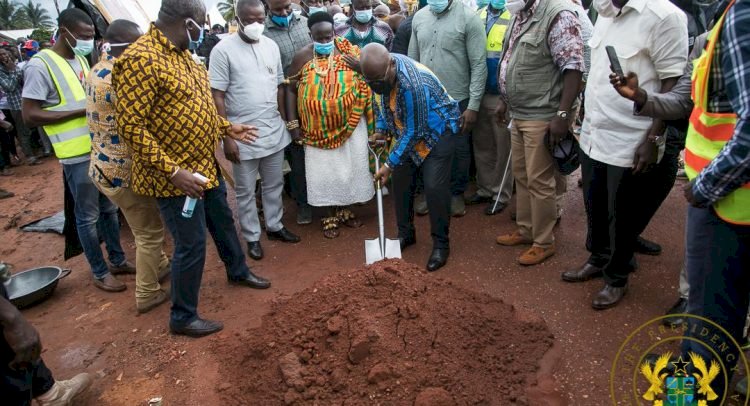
{"x":651,"y":40}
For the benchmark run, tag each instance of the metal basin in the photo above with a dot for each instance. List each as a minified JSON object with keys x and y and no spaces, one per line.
{"x":35,"y":285}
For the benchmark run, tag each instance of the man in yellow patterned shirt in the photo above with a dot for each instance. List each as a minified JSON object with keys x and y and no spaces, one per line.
{"x":166,"y":115}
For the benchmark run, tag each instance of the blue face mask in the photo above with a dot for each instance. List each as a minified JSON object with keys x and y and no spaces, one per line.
{"x":194,"y":45}
{"x":498,"y":4}
{"x":482,"y":3}
{"x":363,"y":16}
{"x":324,"y":49}
{"x":281,"y":21}
{"x":313,"y":10}
{"x":437,"y":6}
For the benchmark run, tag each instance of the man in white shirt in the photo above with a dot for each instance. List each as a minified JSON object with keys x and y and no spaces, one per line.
{"x":246,"y":77}
{"x":650,"y":37}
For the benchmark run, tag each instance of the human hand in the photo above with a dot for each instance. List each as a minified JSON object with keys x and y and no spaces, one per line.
{"x":558,"y":130}
{"x":501,"y":112}
{"x":468,"y":119}
{"x":378,"y":139}
{"x":382,"y":175}
{"x":243,"y":133}
{"x":626,"y":86}
{"x":352,"y":62}
{"x":5,"y":125}
{"x":186,"y":182}
{"x":24,"y":341}
{"x":231,"y":150}
{"x":646,"y":155}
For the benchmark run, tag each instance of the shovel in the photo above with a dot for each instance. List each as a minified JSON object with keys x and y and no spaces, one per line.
{"x":380,"y":248}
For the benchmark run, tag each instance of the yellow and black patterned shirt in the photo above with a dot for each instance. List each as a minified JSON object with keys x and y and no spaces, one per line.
{"x":166,"y":114}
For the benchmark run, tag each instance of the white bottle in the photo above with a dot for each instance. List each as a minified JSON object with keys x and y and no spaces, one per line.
{"x":189,"y":206}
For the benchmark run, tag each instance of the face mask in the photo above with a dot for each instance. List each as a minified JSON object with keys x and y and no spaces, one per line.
{"x":324,"y":49}
{"x":82,"y":47}
{"x":313,"y":10}
{"x":281,"y":21}
{"x":515,"y":6}
{"x":253,"y":31}
{"x":482,"y":3}
{"x":363,"y":16}
{"x":437,"y":6}
{"x":194,"y":45}
{"x":498,"y":4}
{"x":381,"y":86}
{"x":605,"y":8}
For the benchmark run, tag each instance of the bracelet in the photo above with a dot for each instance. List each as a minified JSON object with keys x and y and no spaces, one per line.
{"x":292,"y":125}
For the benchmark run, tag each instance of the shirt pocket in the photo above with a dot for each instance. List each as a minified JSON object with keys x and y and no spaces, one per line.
{"x":453,"y":42}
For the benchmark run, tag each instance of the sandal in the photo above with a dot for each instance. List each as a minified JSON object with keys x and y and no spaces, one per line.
{"x":348,"y":218}
{"x":330,"y":227}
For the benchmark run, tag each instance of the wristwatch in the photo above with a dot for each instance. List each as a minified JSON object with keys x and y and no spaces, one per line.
{"x":563,"y":114}
{"x":658,"y":140}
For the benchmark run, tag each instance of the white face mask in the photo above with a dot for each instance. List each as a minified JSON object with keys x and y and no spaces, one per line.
{"x":605,"y":8}
{"x":515,"y":6}
{"x":254,"y":31}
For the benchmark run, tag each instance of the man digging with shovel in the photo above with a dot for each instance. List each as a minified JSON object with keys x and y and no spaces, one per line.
{"x":415,"y":108}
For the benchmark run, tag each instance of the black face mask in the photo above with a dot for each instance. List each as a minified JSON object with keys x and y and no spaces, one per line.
{"x":380,"y":87}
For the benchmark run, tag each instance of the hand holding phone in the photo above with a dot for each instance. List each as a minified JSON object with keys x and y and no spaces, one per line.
{"x":614,"y":61}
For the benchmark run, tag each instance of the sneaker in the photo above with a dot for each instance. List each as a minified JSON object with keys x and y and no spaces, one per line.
{"x":33,"y":161}
{"x":304,"y":215}
{"x":146,"y":305}
{"x":109,"y":284}
{"x":7,"y":172}
{"x":124,"y":268}
{"x":536,"y":255}
{"x":420,"y":205}
{"x":64,"y":393}
{"x":513,"y":239}
{"x":458,"y":206}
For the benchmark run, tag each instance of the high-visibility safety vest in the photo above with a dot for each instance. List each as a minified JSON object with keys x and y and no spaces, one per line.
{"x":495,"y":38}
{"x":709,"y":132}
{"x":69,"y":138}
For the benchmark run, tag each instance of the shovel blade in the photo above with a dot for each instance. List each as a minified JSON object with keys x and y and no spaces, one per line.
{"x":373,"y":254}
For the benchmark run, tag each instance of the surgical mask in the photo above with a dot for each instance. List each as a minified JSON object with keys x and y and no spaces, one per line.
{"x":324,"y":48}
{"x":381,"y":86}
{"x":253,"y":31}
{"x":193,"y":45}
{"x":515,"y":6}
{"x":363,"y":16}
{"x":606,"y":8}
{"x":281,"y":21}
{"x":437,"y":6}
{"x":482,"y":3}
{"x":498,"y":4}
{"x":82,"y":47}
{"x":107,"y":47}
{"x":313,"y":10}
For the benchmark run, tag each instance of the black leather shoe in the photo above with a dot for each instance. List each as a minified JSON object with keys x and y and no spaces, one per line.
{"x":679,"y":308}
{"x":646,"y":247}
{"x":438,"y":259}
{"x":252,"y":281}
{"x":492,"y":209}
{"x":198,"y":328}
{"x":254,"y":250}
{"x":407,"y":241}
{"x":583,"y":274}
{"x":283,"y":235}
{"x":609,"y":297}
{"x":477,"y":199}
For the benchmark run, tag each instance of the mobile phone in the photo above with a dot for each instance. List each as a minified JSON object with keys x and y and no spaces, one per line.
{"x":614,"y":62}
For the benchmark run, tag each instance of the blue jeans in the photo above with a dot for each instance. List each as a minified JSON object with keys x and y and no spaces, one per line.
{"x":96,"y":216}
{"x":189,"y":235}
{"x":717,"y":263}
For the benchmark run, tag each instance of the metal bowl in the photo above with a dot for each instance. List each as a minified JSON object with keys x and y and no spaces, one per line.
{"x":35,"y":285}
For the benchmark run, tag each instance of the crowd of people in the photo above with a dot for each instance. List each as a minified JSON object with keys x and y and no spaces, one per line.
{"x":437,"y":85}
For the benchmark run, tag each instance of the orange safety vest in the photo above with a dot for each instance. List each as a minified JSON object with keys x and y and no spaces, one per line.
{"x":709,"y":132}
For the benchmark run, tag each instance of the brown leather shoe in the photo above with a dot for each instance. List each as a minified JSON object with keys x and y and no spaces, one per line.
{"x":146,"y":305}
{"x":125,"y":268}
{"x":109,"y":284}
{"x":513,"y":239}
{"x":536,"y":255}
{"x":609,"y":297}
{"x":582,"y":274}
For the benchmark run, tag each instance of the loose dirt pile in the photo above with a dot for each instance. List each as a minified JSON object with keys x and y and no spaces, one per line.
{"x":385,"y":334}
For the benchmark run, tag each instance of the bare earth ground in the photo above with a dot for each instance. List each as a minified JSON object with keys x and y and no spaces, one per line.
{"x":135,"y":358}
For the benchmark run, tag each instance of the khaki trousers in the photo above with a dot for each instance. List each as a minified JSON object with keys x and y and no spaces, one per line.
{"x":142,"y":214}
{"x":536,"y":186}
{"x":491,"y":152}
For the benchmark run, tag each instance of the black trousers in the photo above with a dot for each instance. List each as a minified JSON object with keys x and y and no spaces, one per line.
{"x":654,"y":187}
{"x":609,"y":194}
{"x":461,"y":159}
{"x":297,"y":179}
{"x":436,"y":173}
{"x":19,"y":387}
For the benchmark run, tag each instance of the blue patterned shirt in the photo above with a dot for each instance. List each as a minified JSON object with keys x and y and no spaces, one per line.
{"x":730,"y":78}
{"x":418,"y":112}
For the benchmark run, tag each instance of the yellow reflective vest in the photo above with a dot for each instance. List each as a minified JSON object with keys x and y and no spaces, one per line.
{"x":709,"y":132}
{"x":494,"y":46}
{"x":69,"y":138}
